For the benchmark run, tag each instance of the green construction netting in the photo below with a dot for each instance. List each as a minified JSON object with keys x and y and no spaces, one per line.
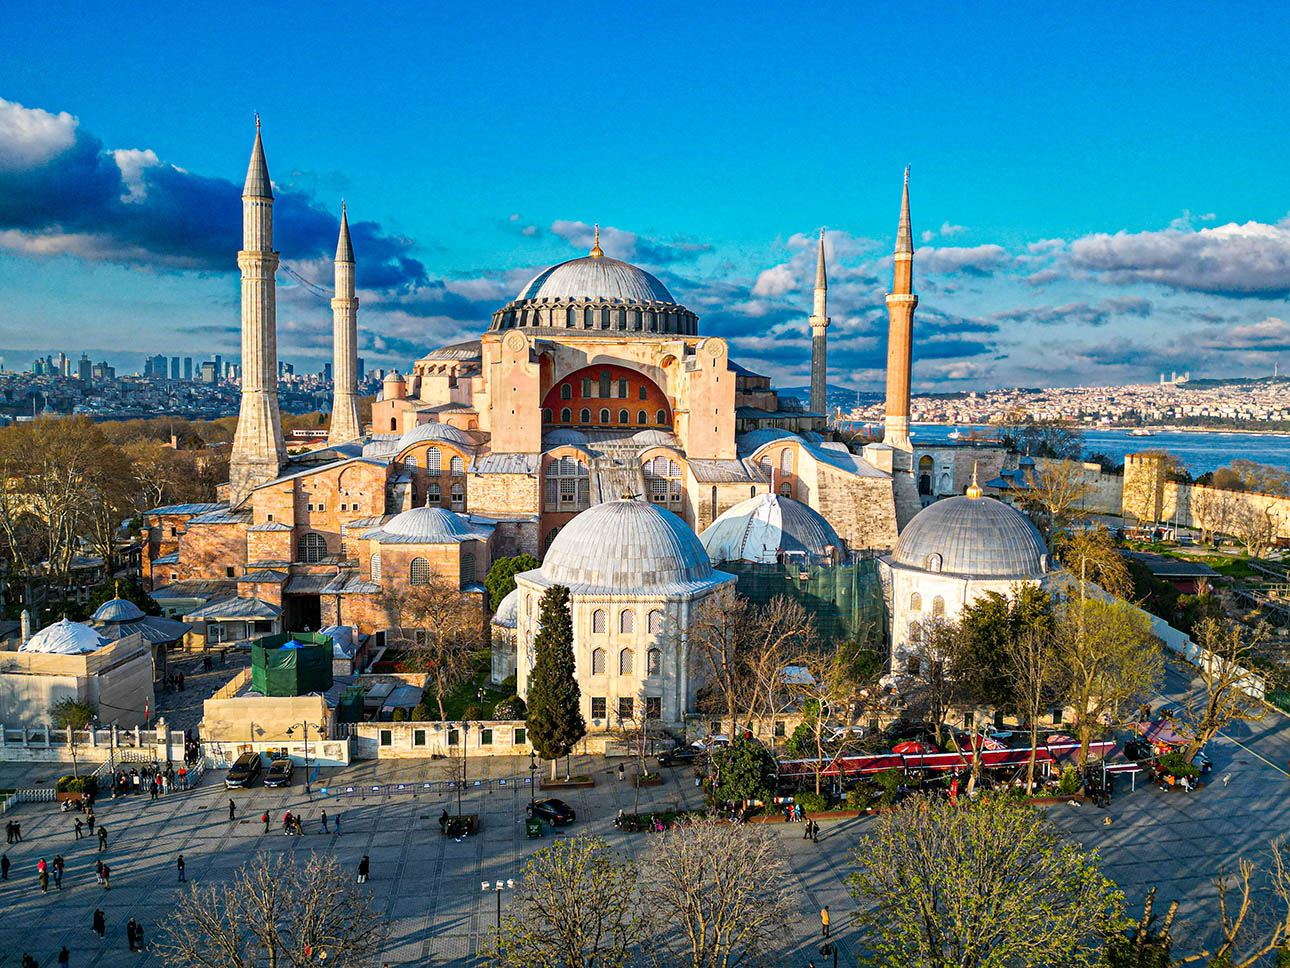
{"x":350,"y":707}
{"x":845,"y":600}
{"x":294,"y":664}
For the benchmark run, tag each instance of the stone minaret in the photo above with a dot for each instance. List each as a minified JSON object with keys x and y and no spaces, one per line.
{"x":900,"y":335}
{"x":258,"y":451}
{"x":344,"y":309}
{"x":819,"y":336}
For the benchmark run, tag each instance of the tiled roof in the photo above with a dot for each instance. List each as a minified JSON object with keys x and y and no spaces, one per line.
{"x":198,"y":508}
{"x":235,"y":608}
{"x":505,"y":464}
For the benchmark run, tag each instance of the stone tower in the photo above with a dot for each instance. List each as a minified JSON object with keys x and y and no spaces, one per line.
{"x":900,"y":334}
{"x":819,"y":336}
{"x":258,"y":451}
{"x":345,"y":424}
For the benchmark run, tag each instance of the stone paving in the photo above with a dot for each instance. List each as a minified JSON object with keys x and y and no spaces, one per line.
{"x":429,"y":886}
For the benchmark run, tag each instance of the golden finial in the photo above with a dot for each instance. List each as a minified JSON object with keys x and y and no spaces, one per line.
{"x":257,"y":122}
{"x":974,"y":489}
{"x":596,"y":253}
{"x":116,"y":589}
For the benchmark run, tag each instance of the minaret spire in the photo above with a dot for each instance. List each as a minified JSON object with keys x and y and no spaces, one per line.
{"x":905,"y":234}
{"x":819,"y":335}
{"x":258,"y":450}
{"x":345,"y":423}
{"x":596,"y":252}
{"x":900,"y":334}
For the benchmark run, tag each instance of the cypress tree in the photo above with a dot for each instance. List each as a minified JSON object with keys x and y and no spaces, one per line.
{"x":554,"y":720}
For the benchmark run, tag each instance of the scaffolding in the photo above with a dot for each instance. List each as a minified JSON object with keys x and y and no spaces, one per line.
{"x":845,"y":600}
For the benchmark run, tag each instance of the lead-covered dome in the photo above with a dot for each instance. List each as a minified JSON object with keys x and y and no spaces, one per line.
{"x":596,"y":277}
{"x":760,"y":528}
{"x":118,"y":610}
{"x":508,"y":610}
{"x":626,"y":547}
{"x":64,"y":638}
{"x":428,"y":525}
{"x":435,"y":431}
{"x":973,"y":536}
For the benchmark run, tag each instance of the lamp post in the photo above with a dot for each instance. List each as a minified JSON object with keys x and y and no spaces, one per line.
{"x":305,"y":726}
{"x":532,"y":775}
{"x":465,"y":733}
{"x":497,"y":888}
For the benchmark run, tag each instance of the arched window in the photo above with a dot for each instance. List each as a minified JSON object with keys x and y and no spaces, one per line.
{"x":467,"y":568}
{"x":434,"y":461}
{"x":433,"y":493}
{"x":786,"y":461}
{"x":644,"y":392}
{"x":376,"y":566}
{"x":655,"y":622}
{"x":394,"y":423}
{"x":598,"y":621}
{"x":653,"y":662}
{"x":546,"y":415}
{"x":604,"y":416}
{"x":663,"y":482}
{"x":458,"y":497}
{"x":938,"y":607}
{"x":714,"y":501}
{"x":661,"y":417}
{"x":571,"y":317}
{"x":642,"y":418}
{"x":410,"y":460}
{"x":566,"y":392}
{"x":604,"y":375}
{"x":626,"y":662}
{"x":623,"y":389}
{"x":457,"y":466}
{"x":586,"y":388}
{"x":312,"y":548}
{"x":419,"y":572}
{"x":565,"y":415}
{"x":627,"y":621}
{"x":604,"y":324}
{"x":623,"y":417}
{"x":584,"y":416}
{"x":915,"y":631}
{"x":752,"y":491}
{"x":786,"y":490}
{"x":597,"y":662}
{"x":915,"y":602}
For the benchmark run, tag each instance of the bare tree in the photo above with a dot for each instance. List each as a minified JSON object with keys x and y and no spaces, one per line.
{"x":1091,"y":555}
{"x":1227,"y":689}
{"x":575,"y":907}
{"x":1250,"y":521}
{"x":1211,"y":510}
{"x":1056,"y":496}
{"x":1038,"y":674}
{"x":274,"y":912}
{"x":824,"y":682}
{"x":717,"y":895}
{"x":934,"y":677}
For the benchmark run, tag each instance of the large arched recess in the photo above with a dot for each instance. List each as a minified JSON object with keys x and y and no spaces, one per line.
{"x":606,"y":376}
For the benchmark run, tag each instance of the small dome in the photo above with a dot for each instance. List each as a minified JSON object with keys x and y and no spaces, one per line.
{"x":759,"y":528}
{"x":626,"y":546}
{"x":427,"y":522}
{"x":564,"y":436}
{"x":508,"y":612}
{"x":654,"y":437}
{"x":435,"y":431}
{"x":596,"y":277}
{"x":118,"y":610}
{"x":973,"y":536}
{"x":393,"y":377}
{"x":64,"y":638}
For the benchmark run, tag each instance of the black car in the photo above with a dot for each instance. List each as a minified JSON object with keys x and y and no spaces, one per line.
{"x":681,"y":755}
{"x":555,"y":812}
{"x":279,"y":773}
{"x":243,"y":772}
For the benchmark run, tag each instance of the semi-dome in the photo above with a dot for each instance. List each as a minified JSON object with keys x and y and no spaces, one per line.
{"x":973,"y":536}
{"x":596,"y":277}
{"x":435,"y":431}
{"x":564,"y":436}
{"x":508,"y":611}
{"x":760,"y":528}
{"x":625,"y":547}
{"x":654,"y":437}
{"x":118,"y":610}
{"x":428,"y":525}
{"x":65,"y":638}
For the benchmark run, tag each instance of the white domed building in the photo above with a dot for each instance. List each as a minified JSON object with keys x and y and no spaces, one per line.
{"x":953,"y":552}
{"x":635,"y":574}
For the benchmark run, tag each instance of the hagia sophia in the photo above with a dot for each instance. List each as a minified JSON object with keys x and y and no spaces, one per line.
{"x":593,"y":425}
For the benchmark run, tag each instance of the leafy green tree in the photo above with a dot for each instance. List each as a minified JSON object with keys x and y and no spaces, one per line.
{"x":501,"y":577}
{"x":988,"y":626}
{"x":555,"y":720}
{"x":744,"y":770}
{"x":991,"y":883}
{"x":75,"y":715}
{"x":802,"y":743}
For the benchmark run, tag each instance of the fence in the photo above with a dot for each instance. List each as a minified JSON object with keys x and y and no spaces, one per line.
{"x":29,"y":795}
{"x":376,"y":790}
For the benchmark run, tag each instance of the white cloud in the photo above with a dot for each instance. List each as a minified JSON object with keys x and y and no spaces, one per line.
{"x":132,"y":162}
{"x":30,"y":137}
{"x":774,"y":282}
{"x":978,"y":259}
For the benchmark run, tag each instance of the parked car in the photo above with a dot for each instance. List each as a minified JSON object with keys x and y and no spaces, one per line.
{"x":844,"y":734}
{"x":243,"y":772}
{"x":714,"y":740}
{"x":681,"y":755}
{"x":279,"y":773}
{"x":555,"y":812}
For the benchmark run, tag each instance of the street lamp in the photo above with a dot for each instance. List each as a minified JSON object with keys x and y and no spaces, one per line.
{"x":532,"y":774}
{"x":305,"y":726}
{"x":465,"y":734}
{"x":497,"y":888}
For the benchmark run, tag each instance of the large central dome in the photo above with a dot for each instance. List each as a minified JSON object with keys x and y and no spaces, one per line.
{"x":596,"y":277}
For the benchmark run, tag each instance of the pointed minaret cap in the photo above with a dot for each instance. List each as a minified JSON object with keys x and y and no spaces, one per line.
{"x":821,"y":279}
{"x":596,"y":252}
{"x":905,"y":234}
{"x":344,"y":251}
{"x":257,"y":173}
{"x":974,"y":489}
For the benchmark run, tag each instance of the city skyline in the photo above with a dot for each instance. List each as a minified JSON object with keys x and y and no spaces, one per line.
{"x":1040,"y":261}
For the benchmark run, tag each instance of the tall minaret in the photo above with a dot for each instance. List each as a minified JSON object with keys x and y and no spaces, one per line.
{"x":900,"y":334}
{"x":819,"y":336}
{"x":344,"y":333}
{"x":258,"y":451}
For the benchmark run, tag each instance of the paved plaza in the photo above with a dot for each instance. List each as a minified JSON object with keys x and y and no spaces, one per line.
{"x":429,"y":886}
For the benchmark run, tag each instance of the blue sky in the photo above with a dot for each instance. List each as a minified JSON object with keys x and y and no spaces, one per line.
{"x":1099,"y":192}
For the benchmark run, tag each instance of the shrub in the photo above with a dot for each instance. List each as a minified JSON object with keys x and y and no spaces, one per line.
{"x":399,"y":715}
{"x":511,"y":707}
{"x":745,"y":771}
{"x":811,"y":802}
{"x":889,"y":781}
{"x":77,"y":784}
{"x":473,"y":712}
{"x":509,"y":685}
{"x":1175,"y":764}
{"x":424,"y":713}
{"x":1069,"y":782}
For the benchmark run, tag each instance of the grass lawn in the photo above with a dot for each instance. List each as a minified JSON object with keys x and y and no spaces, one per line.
{"x":466,"y":694}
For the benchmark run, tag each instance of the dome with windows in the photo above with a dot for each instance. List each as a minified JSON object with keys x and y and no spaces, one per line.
{"x":563,"y":437}
{"x":118,"y":610}
{"x":428,"y":525}
{"x":596,"y":277}
{"x":973,"y":536}
{"x":64,"y":638}
{"x":435,"y":431}
{"x":627,"y":547}
{"x":761,"y":529}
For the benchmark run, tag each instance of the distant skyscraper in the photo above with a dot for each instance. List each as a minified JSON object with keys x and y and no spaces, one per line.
{"x":62,"y":364}
{"x":174,"y":368}
{"x":359,"y":371}
{"x":219,"y":366}
{"x":155,"y":367}
{"x":188,"y":368}
{"x":208,"y":374}
{"x":104,"y":372}
{"x":84,"y":369}
{"x":326,"y":373}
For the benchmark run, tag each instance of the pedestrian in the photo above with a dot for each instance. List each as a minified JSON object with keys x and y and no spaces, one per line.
{"x":232,"y":809}
{"x":107,"y":878}
{"x":335,"y":824}
{"x":58,"y":871}
{"x":89,"y":822}
{"x":621,"y":773}
{"x":180,"y":865}
{"x":17,"y":832}
{"x":443,"y":821}
{"x":4,"y":867}
{"x":64,"y":958}
{"x":362,"y":870}
{"x":806,"y":831}
{"x":181,"y":682}
{"x":79,"y":825}
{"x":99,"y":924}
{"x":102,"y":838}
{"x":323,"y":829}
{"x":28,"y":961}
{"x":8,"y":832}
{"x":265,"y":818}
{"x":98,"y":871}
{"x":44,"y":877}
{"x":815,"y":831}
{"x":286,"y":823}
{"x":824,"y":920}
{"x":131,"y":932}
